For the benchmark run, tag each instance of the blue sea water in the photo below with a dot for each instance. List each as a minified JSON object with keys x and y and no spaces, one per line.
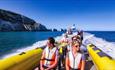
{"x":107,"y":35}
{"x":11,"y":41}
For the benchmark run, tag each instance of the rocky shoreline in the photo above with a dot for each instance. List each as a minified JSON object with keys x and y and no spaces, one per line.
{"x":10,"y":21}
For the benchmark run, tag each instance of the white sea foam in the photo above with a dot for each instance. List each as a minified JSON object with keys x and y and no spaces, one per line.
{"x":105,"y":46}
{"x":102,"y":44}
{"x":33,"y":46}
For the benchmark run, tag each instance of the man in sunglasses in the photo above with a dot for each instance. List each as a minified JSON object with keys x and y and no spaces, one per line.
{"x":49,"y":57}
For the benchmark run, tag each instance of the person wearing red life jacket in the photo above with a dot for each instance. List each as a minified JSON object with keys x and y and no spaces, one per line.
{"x":75,"y":60}
{"x":62,"y":50}
{"x":64,"y":39}
{"x":49,"y":57}
{"x":73,"y":39}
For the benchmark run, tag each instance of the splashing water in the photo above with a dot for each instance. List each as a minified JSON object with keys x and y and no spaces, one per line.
{"x":103,"y":45}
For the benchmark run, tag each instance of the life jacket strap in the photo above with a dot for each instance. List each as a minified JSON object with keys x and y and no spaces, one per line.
{"x":48,"y":59}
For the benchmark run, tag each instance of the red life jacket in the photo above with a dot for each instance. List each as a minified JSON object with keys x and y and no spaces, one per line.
{"x":50,"y":56}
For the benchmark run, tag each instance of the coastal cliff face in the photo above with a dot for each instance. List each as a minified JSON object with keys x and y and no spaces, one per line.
{"x":10,"y":21}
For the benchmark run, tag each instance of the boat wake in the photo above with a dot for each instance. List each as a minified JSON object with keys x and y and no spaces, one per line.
{"x":102,"y":44}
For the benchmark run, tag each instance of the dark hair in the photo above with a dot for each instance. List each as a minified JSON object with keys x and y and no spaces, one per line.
{"x":73,"y":37}
{"x":51,"y":40}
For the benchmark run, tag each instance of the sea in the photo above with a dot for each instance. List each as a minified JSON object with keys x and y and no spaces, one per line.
{"x":12,"y":43}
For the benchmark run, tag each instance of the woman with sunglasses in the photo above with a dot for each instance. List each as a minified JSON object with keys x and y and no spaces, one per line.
{"x":75,"y":60}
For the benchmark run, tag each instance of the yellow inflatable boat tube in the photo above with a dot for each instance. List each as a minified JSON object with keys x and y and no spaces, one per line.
{"x":23,"y":61}
{"x":102,"y":62}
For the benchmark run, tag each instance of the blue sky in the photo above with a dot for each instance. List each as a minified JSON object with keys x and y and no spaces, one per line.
{"x":86,"y":14}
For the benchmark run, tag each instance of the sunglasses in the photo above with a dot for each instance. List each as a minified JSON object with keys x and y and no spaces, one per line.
{"x":76,"y":45}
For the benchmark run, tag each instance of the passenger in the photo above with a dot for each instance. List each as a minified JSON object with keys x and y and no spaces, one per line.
{"x":80,"y":32}
{"x":80,"y":37}
{"x":64,"y":39}
{"x":49,"y":57}
{"x":82,"y":47}
{"x":74,"y":38}
{"x":69,"y":31}
{"x":75,"y":60}
{"x":62,"y":50}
